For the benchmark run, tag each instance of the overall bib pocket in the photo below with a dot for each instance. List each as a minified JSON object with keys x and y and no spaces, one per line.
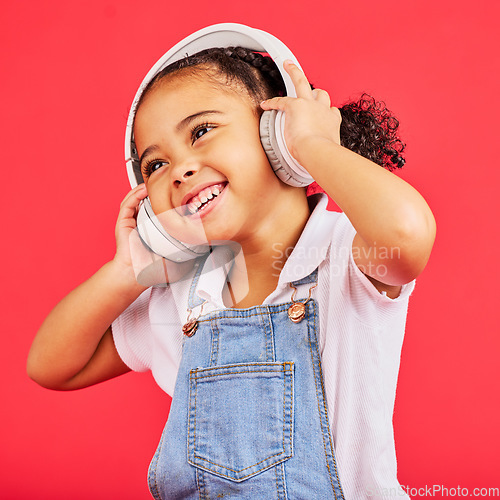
{"x":240,"y":418}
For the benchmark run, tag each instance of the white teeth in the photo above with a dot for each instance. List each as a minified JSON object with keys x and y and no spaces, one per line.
{"x":203,"y":197}
{"x":206,"y":195}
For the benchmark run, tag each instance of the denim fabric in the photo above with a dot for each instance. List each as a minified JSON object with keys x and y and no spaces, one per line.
{"x":248,"y":418}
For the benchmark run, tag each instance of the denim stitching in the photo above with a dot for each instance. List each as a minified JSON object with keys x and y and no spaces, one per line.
{"x":272,"y":366}
{"x":196,"y":413}
{"x":291,"y":408}
{"x":269,"y":338}
{"x":319,"y":409}
{"x":285,"y":420}
{"x":285,"y":492}
{"x":284,"y":413}
{"x":325,"y":407}
{"x":244,"y":468}
{"x":291,"y":425}
{"x":200,"y":484}
{"x":214,"y":345}
{"x":288,"y":367}
{"x":203,"y":478}
{"x":277,"y":482}
{"x":282,"y":494}
{"x":211,"y":471}
{"x":192,"y":439}
{"x":286,"y":371}
{"x":234,"y":373}
{"x":324,"y":403}
{"x":277,"y":486}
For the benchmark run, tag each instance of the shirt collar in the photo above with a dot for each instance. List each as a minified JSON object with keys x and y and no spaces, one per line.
{"x":213,"y":275}
{"x":314,"y":242}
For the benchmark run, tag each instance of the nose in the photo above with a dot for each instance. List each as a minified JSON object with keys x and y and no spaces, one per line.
{"x":182,"y":171}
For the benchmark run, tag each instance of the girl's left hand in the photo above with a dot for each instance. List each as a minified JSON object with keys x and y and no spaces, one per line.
{"x":308,"y":115}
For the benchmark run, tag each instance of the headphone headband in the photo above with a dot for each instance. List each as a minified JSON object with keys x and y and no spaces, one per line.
{"x":217,"y":35}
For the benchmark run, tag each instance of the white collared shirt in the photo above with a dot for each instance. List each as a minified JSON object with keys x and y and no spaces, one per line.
{"x":361,"y":335}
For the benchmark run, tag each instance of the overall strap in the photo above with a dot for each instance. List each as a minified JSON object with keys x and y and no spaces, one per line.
{"x":193,"y":299}
{"x":311,"y":278}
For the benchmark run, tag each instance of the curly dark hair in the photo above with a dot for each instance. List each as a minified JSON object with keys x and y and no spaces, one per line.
{"x":368,"y":127}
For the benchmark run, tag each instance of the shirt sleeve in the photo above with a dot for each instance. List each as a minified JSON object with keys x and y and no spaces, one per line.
{"x":366,"y":300}
{"x":132,"y":334}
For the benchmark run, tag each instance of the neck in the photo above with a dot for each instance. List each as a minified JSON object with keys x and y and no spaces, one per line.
{"x":256,"y":269}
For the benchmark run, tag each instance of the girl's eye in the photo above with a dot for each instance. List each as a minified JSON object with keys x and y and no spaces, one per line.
{"x":156,"y":165}
{"x":200,"y":131}
{"x":152,"y":166}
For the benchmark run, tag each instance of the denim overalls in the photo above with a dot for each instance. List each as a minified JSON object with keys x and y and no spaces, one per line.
{"x":248,"y":418}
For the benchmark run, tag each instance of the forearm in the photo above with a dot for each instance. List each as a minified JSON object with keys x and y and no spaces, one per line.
{"x":69,"y":336}
{"x":387,"y":213}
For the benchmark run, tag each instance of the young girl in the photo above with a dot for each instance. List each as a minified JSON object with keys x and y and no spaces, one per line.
{"x":280,"y":346}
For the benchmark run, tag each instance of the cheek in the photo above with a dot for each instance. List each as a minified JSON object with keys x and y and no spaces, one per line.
{"x":159,"y":196}
{"x":250,"y":152}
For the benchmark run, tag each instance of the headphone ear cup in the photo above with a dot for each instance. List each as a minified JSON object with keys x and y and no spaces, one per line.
{"x":154,"y":236}
{"x":273,"y":141}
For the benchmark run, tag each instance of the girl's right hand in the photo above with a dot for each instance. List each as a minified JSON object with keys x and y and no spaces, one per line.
{"x":126,"y":224}
{"x":133,"y":258}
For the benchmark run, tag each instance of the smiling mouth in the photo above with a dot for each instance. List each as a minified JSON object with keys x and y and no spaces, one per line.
{"x":204,"y":198}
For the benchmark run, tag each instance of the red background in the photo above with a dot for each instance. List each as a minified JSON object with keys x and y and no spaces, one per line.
{"x":69,"y":73}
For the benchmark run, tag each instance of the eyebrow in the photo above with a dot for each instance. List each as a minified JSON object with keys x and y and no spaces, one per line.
{"x":182,"y":124}
{"x":148,"y":151}
{"x":190,"y":118}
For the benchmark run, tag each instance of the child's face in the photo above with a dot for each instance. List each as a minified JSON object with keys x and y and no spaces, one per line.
{"x":196,"y":138}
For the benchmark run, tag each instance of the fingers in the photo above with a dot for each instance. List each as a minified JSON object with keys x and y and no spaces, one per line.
{"x":138,"y":193}
{"x":301,"y":84}
{"x":128,"y":207}
{"x":302,"y":88}
{"x":280,"y":103}
{"x":321,"y":96}
{"x":299,"y":80}
{"x":277,"y":103}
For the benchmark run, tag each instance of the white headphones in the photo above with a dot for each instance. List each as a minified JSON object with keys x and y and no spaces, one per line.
{"x":271,"y":127}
